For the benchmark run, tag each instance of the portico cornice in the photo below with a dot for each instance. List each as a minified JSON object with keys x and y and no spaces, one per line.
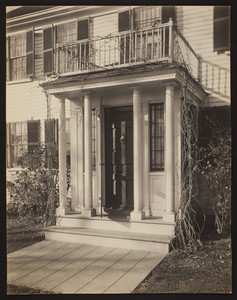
{"x":169,"y":74}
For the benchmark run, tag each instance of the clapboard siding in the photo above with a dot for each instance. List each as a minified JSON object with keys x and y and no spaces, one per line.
{"x":197,"y":28}
{"x":104,"y":25}
{"x":196,"y":24}
{"x":26,"y":101}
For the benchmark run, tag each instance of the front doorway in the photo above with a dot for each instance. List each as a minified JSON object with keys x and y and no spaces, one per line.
{"x":119,"y":158}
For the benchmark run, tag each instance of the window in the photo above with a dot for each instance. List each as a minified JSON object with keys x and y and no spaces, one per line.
{"x":68,"y":51}
{"x":146,"y":16}
{"x":157,"y":137}
{"x":221,"y":28}
{"x":23,"y":137}
{"x":17,"y":56}
{"x":20,"y":55}
{"x":66,"y":33}
{"x":167,"y":13}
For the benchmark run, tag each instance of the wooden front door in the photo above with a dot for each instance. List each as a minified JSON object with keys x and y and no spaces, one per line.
{"x":119,"y":157}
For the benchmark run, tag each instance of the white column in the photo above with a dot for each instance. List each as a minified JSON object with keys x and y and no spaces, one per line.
{"x":145,"y":145}
{"x":169,"y":214}
{"x":76,"y":149}
{"x":80,"y":153}
{"x":88,"y":211}
{"x":62,"y":209}
{"x":137,"y":214}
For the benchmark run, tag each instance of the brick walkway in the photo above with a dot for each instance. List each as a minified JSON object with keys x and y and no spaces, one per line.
{"x":72,"y":268}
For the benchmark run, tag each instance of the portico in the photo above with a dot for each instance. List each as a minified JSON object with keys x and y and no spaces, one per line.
{"x":88,"y":186}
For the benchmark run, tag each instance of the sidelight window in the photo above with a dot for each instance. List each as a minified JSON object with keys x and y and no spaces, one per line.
{"x":157,"y":137}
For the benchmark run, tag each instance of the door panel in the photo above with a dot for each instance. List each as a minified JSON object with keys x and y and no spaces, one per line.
{"x":119,"y":157}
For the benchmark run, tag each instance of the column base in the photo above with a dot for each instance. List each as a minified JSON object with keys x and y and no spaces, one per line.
{"x":61,"y":211}
{"x":169,"y":217}
{"x":137,"y":215}
{"x":147,"y":212}
{"x":78,"y":209}
{"x":89,"y":212}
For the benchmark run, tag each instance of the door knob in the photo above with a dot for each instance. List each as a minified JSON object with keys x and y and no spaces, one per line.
{"x":122,"y":139}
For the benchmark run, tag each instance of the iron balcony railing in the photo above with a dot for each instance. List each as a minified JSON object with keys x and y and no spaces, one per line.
{"x":157,"y":43}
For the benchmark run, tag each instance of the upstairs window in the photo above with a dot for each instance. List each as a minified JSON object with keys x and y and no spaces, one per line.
{"x":167,"y":13}
{"x":146,"y":16}
{"x":66,"y":33}
{"x":20,"y":55}
{"x":221,"y":28}
{"x":17,"y":56}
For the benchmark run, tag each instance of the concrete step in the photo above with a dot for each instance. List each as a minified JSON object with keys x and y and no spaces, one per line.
{"x":148,"y":225}
{"x":110,"y":238}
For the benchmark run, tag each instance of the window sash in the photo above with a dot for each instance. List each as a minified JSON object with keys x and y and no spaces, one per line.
{"x":19,"y":142}
{"x":146,"y":16}
{"x":157,"y":137}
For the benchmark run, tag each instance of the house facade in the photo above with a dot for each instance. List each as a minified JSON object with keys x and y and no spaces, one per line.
{"x":114,"y":78}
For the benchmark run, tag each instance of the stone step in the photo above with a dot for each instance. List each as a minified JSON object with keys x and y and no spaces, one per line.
{"x":110,"y":238}
{"x":148,"y":225}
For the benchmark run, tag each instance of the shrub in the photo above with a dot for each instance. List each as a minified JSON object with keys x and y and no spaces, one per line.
{"x":34,"y":190}
{"x":215,"y":166}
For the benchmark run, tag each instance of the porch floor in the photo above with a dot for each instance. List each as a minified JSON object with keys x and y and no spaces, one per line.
{"x":75,"y":268}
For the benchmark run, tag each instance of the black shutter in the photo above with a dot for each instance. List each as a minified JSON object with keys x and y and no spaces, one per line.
{"x":33,"y":131}
{"x":30,"y":53}
{"x":51,"y":129}
{"x":82,"y":29}
{"x":167,"y":13}
{"x":221,"y":28}
{"x":123,"y":21}
{"x":48,"y":49}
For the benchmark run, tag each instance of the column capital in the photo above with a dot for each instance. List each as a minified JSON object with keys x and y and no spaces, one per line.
{"x":86,"y":93}
{"x":169,"y":84}
{"x":136,"y":88}
{"x":60,"y":96}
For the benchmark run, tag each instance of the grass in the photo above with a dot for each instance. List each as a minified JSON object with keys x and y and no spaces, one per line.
{"x":206,"y":271}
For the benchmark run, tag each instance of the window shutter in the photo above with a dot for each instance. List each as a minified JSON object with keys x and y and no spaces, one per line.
{"x":221,"y":28}
{"x":167,"y":13}
{"x":48,"y":50}
{"x":51,"y":126}
{"x":30,"y":53}
{"x":33,"y":133}
{"x":123,"y":21}
{"x":33,"y":130}
{"x":82,"y":30}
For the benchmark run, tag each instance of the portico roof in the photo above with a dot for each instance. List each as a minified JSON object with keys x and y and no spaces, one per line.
{"x":162,"y":71}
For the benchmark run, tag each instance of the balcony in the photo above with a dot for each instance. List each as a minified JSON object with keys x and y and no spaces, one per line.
{"x":158,"y":43}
